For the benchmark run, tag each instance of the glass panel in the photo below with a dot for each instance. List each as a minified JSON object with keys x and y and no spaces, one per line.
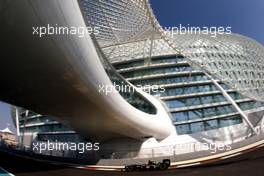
{"x":212,"y":124}
{"x":155,"y":71}
{"x":197,"y":127}
{"x":224,"y":86}
{"x":209,"y":112}
{"x":180,"y":116}
{"x":197,"y":114}
{"x":194,"y":101}
{"x":187,"y":90}
{"x":167,"y":59}
{"x":128,"y":64}
{"x":183,"y":129}
{"x":230,"y":121}
{"x":250,"y":105}
{"x":175,"y":104}
{"x":170,"y":80}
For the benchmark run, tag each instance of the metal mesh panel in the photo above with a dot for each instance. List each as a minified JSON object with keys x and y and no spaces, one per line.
{"x":119,"y":21}
{"x":234,"y":59}
{"x":129,"y":30}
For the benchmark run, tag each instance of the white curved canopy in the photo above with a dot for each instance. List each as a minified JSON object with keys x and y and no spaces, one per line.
{"x":6,"y":130}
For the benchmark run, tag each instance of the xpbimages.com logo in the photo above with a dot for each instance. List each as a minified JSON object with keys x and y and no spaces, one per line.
{"x":127,"y":88}
{"x":81,"y":147}
{"x":64,"y":30}
{"x":211,"y":31}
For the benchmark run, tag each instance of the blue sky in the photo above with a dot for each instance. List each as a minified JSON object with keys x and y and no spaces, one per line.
{"x":246,"y":17}
{"x":5,"y":118}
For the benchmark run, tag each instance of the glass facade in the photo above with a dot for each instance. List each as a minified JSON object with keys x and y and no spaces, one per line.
{"x":45,"y":128}
{"x":156,"y":71}
{"x":195,"y":127}
{"x":194,"y":102}
{"x":186,"y":90}
{"x":185,"y":102}
{"x":54,"y":137}
{"x":31,"y":122}
{"x":169,"y":59}
{"x":169,"y":80}
{"x":202,"y":113}
{"x":36,"y":119}
{"x":129,"y":64}
{"x":250,"y":105}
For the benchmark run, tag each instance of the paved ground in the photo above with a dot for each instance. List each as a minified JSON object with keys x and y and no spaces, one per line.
{"x":253,"y":164}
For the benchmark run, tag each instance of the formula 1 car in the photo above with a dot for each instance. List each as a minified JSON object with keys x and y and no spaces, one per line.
{"x":150,"y":166}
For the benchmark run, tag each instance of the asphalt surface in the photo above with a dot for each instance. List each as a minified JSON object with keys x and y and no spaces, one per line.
{"x":250,"y":164}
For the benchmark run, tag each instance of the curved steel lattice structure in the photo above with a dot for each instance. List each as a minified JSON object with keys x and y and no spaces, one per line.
{"x":119,"y":21}
{"x":123,"y":22}
{"x":234,"y":59}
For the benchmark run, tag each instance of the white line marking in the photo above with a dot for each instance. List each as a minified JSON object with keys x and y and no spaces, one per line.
{"x":261,"y":145}
{"x":187,"y":165}
{"x":230,"y":156}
